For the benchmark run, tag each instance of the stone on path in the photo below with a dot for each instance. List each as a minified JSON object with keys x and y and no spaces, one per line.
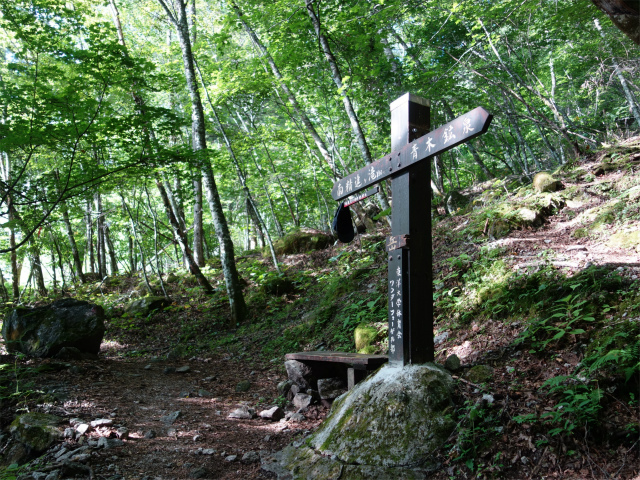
{"x":102,"y":422}
{"x":184,"y":369}
{"x":106,"y":443}
{"x":251,"y":457}
{"x":171,"y":418}
{"x":231,"y":458}
{"x":243,"y":386}
{"x":243,"y":413}
{"x":275,"y":414}
{"x":302,"y":400}
{"x":452,"y":363}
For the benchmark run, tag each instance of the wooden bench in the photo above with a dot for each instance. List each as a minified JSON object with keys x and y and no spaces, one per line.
{"x":356,"y":364}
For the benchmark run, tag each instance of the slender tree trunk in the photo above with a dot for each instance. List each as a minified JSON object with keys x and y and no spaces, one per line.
{"x":198,"y":228}
{"x":89,"y":249}
{"x":36,"y":268}
{"x":346,"y":101}
{"x":15,"y":270}
{"x":232,"y":279}
{"x":56,"y":245}
{"x":102,"y":254}
{"x":113,"y":260}
{"x":77,"y":262}
{"x":182,"y":239}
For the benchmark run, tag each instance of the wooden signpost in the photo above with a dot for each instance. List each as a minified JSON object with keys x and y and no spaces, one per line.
{"x":409,"y":246}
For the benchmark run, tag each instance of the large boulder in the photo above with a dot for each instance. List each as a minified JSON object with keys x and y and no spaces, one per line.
{"x":44,"y":331}
{"x":394,"y":419}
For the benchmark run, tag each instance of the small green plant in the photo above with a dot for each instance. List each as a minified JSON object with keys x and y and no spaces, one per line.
{"x":578,"y":405}
{"x":569,"y":312}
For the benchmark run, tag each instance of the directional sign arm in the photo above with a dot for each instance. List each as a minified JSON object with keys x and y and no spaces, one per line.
{"x":461,"y":130}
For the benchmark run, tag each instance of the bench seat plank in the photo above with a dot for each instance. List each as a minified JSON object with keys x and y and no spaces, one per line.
{"x":369,"y":361}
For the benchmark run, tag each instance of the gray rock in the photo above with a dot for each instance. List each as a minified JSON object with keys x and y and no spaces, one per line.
{"x":243,"y":386}
{"x":208,"y":451}
{"x":243,"y":413}
{"x":184,"y":369}
{"x":171,"y":418}
{"x":74,"y":422}
{"x":69,"y":433}
{"x":81,"y":458}
{"x":302,"y":400}
{"x":231,"y":458}
{"x":145,"y":305}
{"x":36,"y":431}
{"x":102,"y":422}
{"x":106,"y":443}
{"x":330,"y":388}
{"x":55,"y":475}
{"x":299,"y":373}
{"x":83,"y":428}
{"x":297,"y":418}
{"x":274,"y":413}
{"x":452,"y":363}
{"x":149,"y":434}
{"x":251,"y":457}
{"x":205,"y":393}
{"x":395,"y":418}
{"x":44,"y":331}
{"x":284,"y":387}
{"x":199,"y":472}
{"x":438,"y":339}
{"x":122,"y":433}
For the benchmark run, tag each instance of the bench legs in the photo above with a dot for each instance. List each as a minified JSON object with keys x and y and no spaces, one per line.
{"x":354,"y":376}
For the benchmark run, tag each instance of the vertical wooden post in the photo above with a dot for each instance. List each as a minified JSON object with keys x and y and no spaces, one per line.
{"x":410,"y":285}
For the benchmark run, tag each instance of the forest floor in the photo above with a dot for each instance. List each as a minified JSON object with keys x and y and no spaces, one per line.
{"x":139,"y":385}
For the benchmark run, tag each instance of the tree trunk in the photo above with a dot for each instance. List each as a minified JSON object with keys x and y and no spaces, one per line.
{"x":89,"y":249}
{"x":232,"y":279}
{"x":625,"y":14}
{"x":113,"y":260}
{"x":198,"y":228}
{"x":36,"y":268}
{"x":101,"y":250}
{"x":77,"y":262}
{"x":182,"y":239}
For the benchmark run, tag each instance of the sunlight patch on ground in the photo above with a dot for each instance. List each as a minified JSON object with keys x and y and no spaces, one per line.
{"x":111,"y":347}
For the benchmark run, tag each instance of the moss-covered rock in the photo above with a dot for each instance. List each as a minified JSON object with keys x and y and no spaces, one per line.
{"x":479,"y":374}
{"x":300,"y":241}
{"x":36,"y":431}
{"x":365,"y":335}
{"x":625,"y":240}
{"x":396,"y":418}
{"x":145,"y":305}
{"x":544,"y":182}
